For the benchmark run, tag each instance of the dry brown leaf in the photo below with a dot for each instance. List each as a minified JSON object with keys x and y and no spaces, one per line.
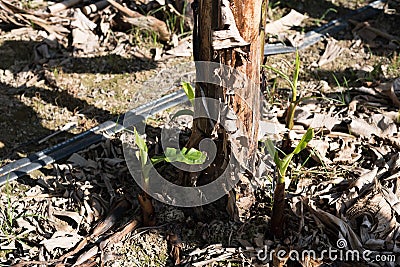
{"x":146,"y":22}
{"x":69,"y":214}
{"x":338,"y":226}
{"x":86,"y":256}
{"x":82,"y":33}
{"x":34,"y":191}
{"x":119,"y":235}
{"x":280,"y":260}
{"x":61,"y":239}
{"x":321,"y":147}
{"x":116,"y":212}
{"x":24,"y":224}
{"x":385,"y":124}
{"x":392,"y":90}
{"x":347,"y":153}
{"x":369,"y":33}
{"x":176,"y":246}
{"x":78,"y":160}
{"x":270,"y":127}
{"x":332,"y":51}
{"x":182,"y":50}
{"x":360,"y":127}
{"x":294,"y":18}
{"x":323,"y":121}
{"x":372,"y":203}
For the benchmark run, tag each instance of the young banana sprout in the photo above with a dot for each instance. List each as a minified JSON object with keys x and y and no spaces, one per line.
{"x":188,"y":156}
{"x":293,"y":83}
{"x":282,"y":165}
{"x":143,"y":198}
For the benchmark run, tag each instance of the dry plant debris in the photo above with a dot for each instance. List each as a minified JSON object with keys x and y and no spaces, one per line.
{"x":91,"y":24}
{"x":84,"y":211}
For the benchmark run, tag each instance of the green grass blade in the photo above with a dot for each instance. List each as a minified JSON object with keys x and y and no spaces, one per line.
{"x":281,"y":74}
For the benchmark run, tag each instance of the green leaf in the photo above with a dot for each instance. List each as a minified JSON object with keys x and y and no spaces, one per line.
{"x":146,"y":170}
{"x":194,"y":155}
{"x":141,"y":143}
{"x":295,"y":76}
{"x":272,"y":151}
{"x":189,"y":91}
{"x":304,"y":141}
{"x":171,"y":154}
{"x":191,"y":156}
{"x":183,"y":112}
{"x":283,"y":164}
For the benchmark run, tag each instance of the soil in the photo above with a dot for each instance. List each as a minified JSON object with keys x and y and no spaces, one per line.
{"x":39,"y":98}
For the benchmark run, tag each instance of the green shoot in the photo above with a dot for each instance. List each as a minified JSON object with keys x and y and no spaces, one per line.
{"x":8,"y":217}
{"x":182,"y":112}
{"x":346,"y":85}
{"x":293,"y":83}
{"x":189,"y":91}
{"x":142,"y":155}
{"x":143,"y":150}
{"x":182,"y":20}
{"x":283,"y":164}
{"x":189,"y":156}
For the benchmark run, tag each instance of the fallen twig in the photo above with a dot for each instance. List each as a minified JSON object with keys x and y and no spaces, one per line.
{"x":145,"y":22}
{"x":115,"y":214}
{"x":366,"y":25}
{"x":22,"y":17}
{"x":118,"y":236}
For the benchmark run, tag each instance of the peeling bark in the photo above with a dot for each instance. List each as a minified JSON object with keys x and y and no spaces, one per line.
{"x":230,"y":33}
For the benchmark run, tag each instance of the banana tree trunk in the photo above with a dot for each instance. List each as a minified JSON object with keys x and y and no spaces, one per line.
{"x":230,"y":33}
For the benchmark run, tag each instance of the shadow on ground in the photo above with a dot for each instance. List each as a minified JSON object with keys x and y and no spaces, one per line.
{"x":21,"y":62}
